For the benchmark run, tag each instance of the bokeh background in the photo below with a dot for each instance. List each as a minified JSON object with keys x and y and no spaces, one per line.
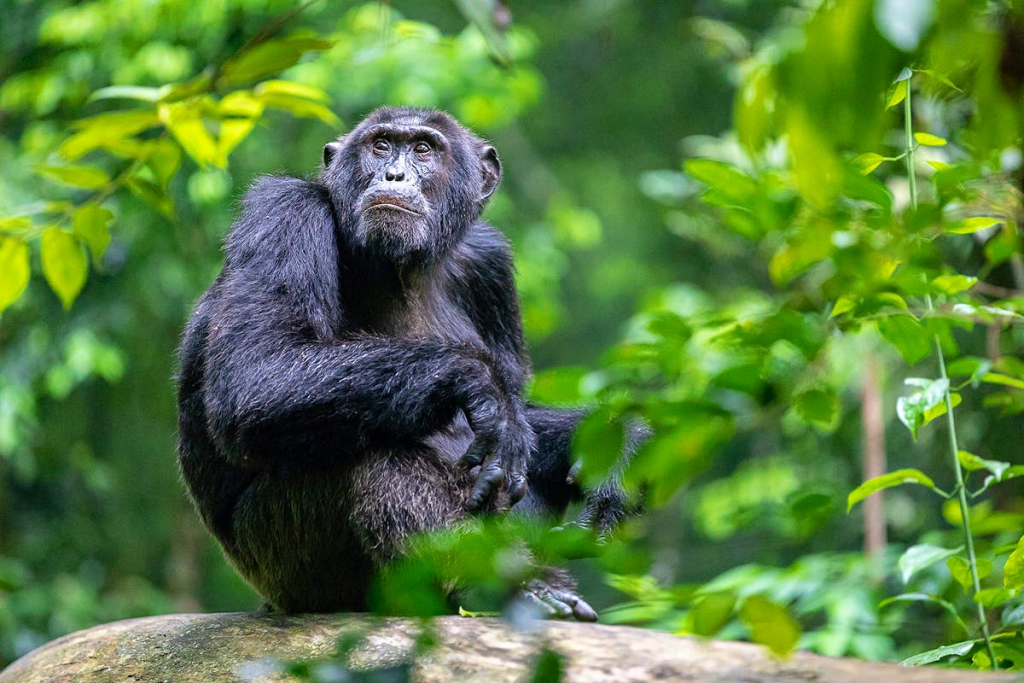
{"x":594,"y":105}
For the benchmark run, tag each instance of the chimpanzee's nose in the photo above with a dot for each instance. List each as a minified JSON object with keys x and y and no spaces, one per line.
{"x":395,"y":175}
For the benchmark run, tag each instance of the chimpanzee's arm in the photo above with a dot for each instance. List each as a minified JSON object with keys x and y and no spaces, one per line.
{"x":489,"y":294}
{"x":485,"y":287}
{"x":282,"y":377}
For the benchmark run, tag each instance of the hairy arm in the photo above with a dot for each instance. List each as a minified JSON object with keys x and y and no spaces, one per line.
{"x":484,"y":264}
{"x":490,"y":297}
{"x":482,"y":267}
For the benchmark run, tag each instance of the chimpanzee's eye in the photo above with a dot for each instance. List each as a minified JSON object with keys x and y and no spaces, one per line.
{"x":421,"y":148}
{"x":381,"y":145}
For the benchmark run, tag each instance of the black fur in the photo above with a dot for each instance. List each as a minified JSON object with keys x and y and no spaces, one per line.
{"x":354,"y":374}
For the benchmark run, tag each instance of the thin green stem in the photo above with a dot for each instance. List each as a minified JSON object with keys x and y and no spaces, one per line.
{"x":908,"y":128}
{"x":961,"y":490}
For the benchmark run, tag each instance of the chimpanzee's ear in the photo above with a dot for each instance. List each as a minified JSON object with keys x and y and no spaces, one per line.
{"x":490,"y":167}
{"x":331,"y":149}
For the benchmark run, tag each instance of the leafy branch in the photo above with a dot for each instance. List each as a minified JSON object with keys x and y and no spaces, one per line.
{"x":205,"y":118}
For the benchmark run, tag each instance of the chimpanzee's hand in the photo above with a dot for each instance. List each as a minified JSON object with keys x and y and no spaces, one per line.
{"x":554,"y":594}
{"x":504,"y":440}
{"x":610,"y":502}
{"x":605,"y":507}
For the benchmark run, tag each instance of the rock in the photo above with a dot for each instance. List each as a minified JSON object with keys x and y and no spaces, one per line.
{"x":216,"y":648}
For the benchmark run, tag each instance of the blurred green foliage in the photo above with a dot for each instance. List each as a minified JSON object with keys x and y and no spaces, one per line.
{"x":714,"y":229}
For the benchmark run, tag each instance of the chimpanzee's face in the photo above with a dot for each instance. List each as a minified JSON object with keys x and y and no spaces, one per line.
{"x":407,"y":167}
{"x":409,"y":182}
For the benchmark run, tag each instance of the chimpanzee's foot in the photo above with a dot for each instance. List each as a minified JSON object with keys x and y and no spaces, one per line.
{"x":556,"y":596}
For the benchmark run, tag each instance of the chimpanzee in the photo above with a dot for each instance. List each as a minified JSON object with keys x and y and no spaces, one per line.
{"x":354,"y":375}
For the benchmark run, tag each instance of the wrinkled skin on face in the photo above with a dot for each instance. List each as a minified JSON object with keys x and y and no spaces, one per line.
{"x":411,"y":182}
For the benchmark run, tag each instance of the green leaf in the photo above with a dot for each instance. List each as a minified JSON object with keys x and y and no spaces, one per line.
{"x":940,"y":77}
{"x":911,"y":409}
{"x":1005,"y":380}
{"x":969,"y":225}
{"x":672,"y":458}
{"x":85,"y":177}
{"x":1013,"y":616}
{"x":924,"y":597}
{"x":897,"y":478}
{"x":939,"y":410}
{"x":897,"y":95}
{"x":754,"y":105}
{"x":770,"y":625}
{"x":14,"y":223}
{"x":882,"y":300}
{"x":819,"y":407}
{"x":670,"y":326}
{"x":867,"y":189}
{"x":992,"y":597}
{"x":1013,"y":570}
{"x":549,"y":667}
{"x":955,"y":650}
{"x":953,"y":284}
{"x":153,"y":195}
{"x":1002,"y":247}
{"x":918,"y":557}
{"x":710,"y":614}
{"x":960,"y":569}
{"x":984,"y":567}
{"x":299,"y":106}
{"x":185,"y":121}
{"x":164,"y":160}
{"x":909,"y":337}
{"x":130,"y":92}
{"x":240,"y":103}
{"x":798,"y":254}
{"x":970,"y":366}
{"x":994,"y":310}
{"x":270,"y":57}
{"x":844,"y":304}
{"x":973,"y":463}
{"x":558,"y":386}
{"x":292,"y":89}
{"x":937,"y":165}
{"x":745,"y":378}
{"x":929,"y":140}
{"x":89,"y":224}
{"x":65,"y":265}
{"x":735,"y":186}
{"x":106,"y":130}
{"x":476,"y":615}
{"x":14,"y":270}
{"x":232,"y":132}
{"x":868,"y":162}
{"x":598,"y":442}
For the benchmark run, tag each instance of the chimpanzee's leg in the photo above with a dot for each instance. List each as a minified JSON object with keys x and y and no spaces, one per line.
{"x":548,"y":473}
{"x":552,"y":475}
{"x":552,"y":488}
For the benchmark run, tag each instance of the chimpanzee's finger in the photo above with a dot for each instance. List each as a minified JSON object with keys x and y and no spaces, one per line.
{"x":486,"y":486}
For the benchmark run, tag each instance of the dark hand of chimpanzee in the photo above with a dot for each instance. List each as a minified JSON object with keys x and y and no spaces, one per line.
{"x":501,"y":450}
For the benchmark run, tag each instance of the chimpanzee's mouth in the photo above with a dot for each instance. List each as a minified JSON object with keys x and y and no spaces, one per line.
{"x":393,"y":207}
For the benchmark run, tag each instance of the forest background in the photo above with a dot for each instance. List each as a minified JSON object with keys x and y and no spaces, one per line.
{"x":786,"y":234}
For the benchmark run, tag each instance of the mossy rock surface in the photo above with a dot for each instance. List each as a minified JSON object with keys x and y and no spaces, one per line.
{"x":217,"y":648}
